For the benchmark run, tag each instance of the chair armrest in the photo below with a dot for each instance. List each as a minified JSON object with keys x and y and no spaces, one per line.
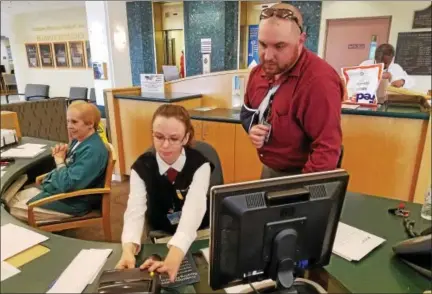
{"x":68,"y":195}
{"x":40,"y":178}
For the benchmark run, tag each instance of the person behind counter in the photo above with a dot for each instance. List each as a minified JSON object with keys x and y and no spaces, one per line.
{"x":79,"y":165}
{"x":393,"y":72}
{"x":292,"y":106}
{"x":168,"y":188}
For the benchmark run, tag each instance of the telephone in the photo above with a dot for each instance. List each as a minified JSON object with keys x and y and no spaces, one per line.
{"x":417,"y":253}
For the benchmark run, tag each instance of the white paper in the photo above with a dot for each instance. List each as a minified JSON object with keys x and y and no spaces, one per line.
{"x":2,"y":173}
{"x":8,"y":271}
{"x":206,"y":253}
{"x":204,"y":108}
{"x":22,"y":153}
{"x":206,"y":63}
{"x":16,"y":239}
{"x":81,"y":271}
{"x":152,"y":83}
{"x":354,"y":244}
{"x":350,"y":106}
{"x":31,"y":146}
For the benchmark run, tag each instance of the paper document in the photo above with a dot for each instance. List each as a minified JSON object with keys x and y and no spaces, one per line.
{"x":350,"y":106}
{"x":81,"y":271}
{"x":206,"y":253}
{"x":28,"y":255}
{"x":22,"y":153}
{"x":7,"y":271}
{"x":2,"y":173}
{"x":354,"y":244}
{"x":16,"y":239}
{"x":31,"y":146}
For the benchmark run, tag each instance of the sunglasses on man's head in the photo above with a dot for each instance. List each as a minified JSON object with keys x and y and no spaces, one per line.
{"x":283,"y":13}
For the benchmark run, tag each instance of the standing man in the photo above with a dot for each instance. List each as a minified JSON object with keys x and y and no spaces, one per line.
{"x":292,"y":109}
{"x":393,"y":72}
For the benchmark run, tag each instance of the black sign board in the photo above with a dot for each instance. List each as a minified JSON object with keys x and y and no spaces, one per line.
{"x":423,"y":18}
{"x":413,"y":52}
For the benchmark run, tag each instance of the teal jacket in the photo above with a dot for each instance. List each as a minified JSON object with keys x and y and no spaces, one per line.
{"x":85,"y":169}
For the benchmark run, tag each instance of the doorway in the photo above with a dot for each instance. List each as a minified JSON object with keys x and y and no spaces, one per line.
{"x":348,"y":40}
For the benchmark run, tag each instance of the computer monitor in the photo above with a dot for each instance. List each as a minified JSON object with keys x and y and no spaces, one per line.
{"x":272,"y":228}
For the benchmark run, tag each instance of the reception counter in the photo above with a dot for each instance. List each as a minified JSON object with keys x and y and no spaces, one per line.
{"x":384,"y":147}
{"x":379,"y":272}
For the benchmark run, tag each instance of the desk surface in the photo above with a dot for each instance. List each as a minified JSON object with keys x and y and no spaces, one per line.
{"x":378,"y":272}
{"x":162,"y":98}
{"x":21,"y":165}
{"x":233,"y":115}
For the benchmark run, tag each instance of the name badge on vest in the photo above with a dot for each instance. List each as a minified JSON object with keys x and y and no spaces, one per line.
{"x":174,"y":217}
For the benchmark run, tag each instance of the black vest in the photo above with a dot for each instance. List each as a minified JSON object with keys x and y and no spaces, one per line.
{"x":161,"y":194}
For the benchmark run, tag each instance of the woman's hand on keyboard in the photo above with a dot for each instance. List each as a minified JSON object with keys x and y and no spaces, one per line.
{"x":170,"y":265}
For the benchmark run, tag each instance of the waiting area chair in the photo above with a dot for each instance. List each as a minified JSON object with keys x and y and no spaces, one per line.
{"x":97,"y":216}
{"x":77,"y":93}
{"x":216,"y":178}
{"x":92,"y":96}
{"x":36,"y":92}
{"x":9,"y":84}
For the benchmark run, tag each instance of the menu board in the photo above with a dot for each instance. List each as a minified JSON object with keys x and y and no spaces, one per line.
{"x":422,"y":18}
{"x":413,"y":52}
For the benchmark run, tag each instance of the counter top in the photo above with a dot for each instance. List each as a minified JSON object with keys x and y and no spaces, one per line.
{"x":217,"y":114}
{"x":163,"y":98}
{"x":233,"y":115}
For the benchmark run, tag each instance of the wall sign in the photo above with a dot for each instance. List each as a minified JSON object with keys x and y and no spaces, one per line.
{"x":356,"y":46}
{"x":423,"y":18}
{"x":205,"y":46}
{"x":61,"y":56}
{"x":77,"y":58}
{"x":253,"y":57}
{"x":206,"y":63}
{"x":413,"y":52}
{"x":32,"y":51}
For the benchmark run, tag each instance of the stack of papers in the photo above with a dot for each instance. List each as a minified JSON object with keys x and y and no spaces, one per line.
{"x":81,"y":272}
{"x":28,"y":150}
{"x":15,"y":239}
{"x":354,"y":244}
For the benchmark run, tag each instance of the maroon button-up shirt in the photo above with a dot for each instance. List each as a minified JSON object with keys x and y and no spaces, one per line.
{"x":305,"y":116}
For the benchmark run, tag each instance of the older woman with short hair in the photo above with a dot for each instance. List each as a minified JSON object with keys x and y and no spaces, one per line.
{"x":79,"y":165}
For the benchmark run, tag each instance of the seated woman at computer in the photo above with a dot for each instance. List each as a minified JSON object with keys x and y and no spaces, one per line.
{"x":79,"y":165}
{"x":393,"y":72}
{"x":168,"y":188}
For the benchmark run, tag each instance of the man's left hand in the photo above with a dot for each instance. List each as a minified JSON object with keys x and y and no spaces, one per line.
{"x":398,"y":83}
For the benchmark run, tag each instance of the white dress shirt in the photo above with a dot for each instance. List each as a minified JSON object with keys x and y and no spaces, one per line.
{"x":396,"y":72}
{"x":193,"y":209}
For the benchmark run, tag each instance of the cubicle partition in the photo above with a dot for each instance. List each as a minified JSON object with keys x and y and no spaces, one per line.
{"x":386,"y":151}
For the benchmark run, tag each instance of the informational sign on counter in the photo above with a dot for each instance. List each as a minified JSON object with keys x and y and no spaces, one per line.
{"x":253,"y":57}
{"x":152,"y":83}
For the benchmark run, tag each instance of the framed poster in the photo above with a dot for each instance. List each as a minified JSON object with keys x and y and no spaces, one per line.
{"x":88,"y":54}
{"x":253,"y":58}
{"x":61,"y":54}
{"x":77,"y":55}
{"x":32,"y":55}
{"x":46,"y":54}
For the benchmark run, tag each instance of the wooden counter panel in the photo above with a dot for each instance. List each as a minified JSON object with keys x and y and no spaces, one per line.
{"x":424,"y":176}
{"x":381,"y":154}
{"x":247,"y":166}
{"x":221,"y":136}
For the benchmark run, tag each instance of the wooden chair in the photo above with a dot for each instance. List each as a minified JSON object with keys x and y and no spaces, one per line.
{"x":93,"y":217}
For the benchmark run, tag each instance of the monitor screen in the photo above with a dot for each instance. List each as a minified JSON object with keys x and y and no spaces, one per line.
{"x":269,"y":228}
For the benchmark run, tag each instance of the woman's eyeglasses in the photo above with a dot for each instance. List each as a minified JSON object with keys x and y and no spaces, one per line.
{"x":172,"y":141}
{"x":281,"y":13}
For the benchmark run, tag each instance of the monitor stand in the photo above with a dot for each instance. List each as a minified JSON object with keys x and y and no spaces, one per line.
{"x":282,"y":267}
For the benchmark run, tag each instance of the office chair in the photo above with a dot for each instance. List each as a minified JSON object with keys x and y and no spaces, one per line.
{"x":77,"y":93}
{"x":36,"y":92}
{"x":92,"y":96}
{"x":97,"y":216}
{"x":216,"y":178}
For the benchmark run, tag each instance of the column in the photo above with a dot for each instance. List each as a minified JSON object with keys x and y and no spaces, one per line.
{"x":108,"y":36}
